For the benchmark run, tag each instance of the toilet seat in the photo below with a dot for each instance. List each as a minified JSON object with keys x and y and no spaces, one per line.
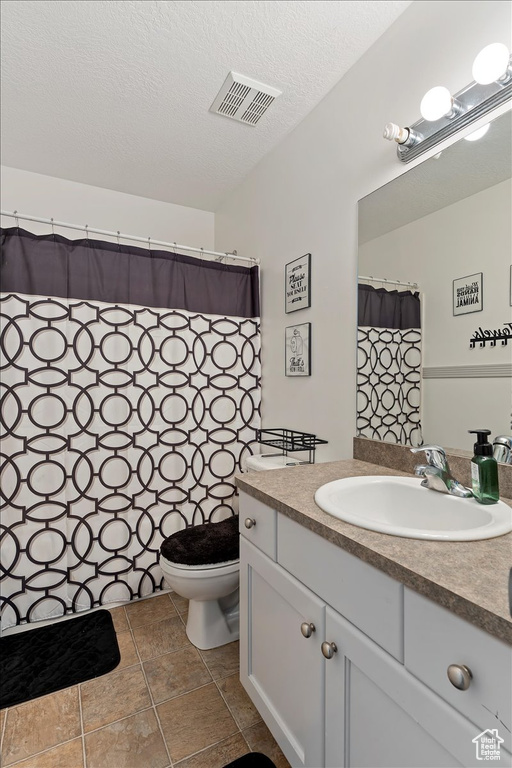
{"x":207,"y":544}
{"x":229,"y":566}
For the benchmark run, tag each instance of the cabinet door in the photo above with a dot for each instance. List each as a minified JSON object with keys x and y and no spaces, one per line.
{"x":378,"y":714}
{"x":280,"y":668}
{"x":436,"y":638}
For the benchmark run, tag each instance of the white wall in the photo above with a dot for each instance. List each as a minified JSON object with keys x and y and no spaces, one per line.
{"x":47,"y":197}
{"x":303,"y":197}
{"x":470,"y":236}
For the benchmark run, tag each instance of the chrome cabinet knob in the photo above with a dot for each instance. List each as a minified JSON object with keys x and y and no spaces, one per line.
{"x":329,"y":649}
{"x":250,"y":522}
{"x":459,"y":676}
{"x":307,"y":629}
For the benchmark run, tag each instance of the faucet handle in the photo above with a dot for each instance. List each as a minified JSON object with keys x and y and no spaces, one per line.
{"x":436,"y":455}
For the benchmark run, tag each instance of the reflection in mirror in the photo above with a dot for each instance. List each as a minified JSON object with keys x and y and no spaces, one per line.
{"x":435,"y":298}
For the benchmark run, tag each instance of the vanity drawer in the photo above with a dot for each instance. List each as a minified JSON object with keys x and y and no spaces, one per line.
{"x":368,"y":598}
{"x":434,"y":638}
{"x":257,"y":523}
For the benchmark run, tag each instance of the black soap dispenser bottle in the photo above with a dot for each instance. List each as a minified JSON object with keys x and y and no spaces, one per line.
{"x":484,"y":469}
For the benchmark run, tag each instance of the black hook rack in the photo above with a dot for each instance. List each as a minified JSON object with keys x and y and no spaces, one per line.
{"x":490,"y":337}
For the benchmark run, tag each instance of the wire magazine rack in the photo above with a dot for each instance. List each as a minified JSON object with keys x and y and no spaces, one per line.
{"x":289,"y":441}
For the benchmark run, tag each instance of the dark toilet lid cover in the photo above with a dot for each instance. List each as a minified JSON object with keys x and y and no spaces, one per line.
{"x":204,"y":544}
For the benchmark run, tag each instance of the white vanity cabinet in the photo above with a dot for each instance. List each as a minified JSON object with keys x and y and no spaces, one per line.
{"x":378,"y":715}
{"x":348,"y":674}
{"x":280,"y":663}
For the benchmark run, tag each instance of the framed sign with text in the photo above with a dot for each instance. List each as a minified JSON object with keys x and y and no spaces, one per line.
{"x":467,"y":294}
{"x":298,"y":350}
{"x":297,"y":284}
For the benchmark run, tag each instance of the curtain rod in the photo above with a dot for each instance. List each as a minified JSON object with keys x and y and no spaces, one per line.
{"x":147,"y":240}
{"x":385,"y":280}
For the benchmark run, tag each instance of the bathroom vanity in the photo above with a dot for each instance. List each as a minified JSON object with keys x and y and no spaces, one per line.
{"x":346,"y":634}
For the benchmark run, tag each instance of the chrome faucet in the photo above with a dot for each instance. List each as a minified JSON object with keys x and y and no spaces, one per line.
{"x":436,"y":473}
{"x":503,"y":449}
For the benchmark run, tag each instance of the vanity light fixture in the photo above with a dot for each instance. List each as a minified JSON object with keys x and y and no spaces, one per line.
{"x":439,"y":102}
{"x":492,"y":63}
{"x":443,"y":114}
{"x":478,"y":133}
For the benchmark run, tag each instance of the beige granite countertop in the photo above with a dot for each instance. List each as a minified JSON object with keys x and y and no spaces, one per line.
{"x":469,"y":578}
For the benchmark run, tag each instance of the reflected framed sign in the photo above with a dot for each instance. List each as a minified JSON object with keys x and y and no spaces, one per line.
{"x":468,"y":294}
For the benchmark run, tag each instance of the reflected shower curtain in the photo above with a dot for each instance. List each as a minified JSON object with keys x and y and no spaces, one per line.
{"x":130,"y":395}
{"x":389,"y":365}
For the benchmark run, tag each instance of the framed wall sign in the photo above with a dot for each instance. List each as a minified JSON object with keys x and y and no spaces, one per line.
{"x":298,"y":350}
{"x":467,"y":294}
{"x":297,"y":284}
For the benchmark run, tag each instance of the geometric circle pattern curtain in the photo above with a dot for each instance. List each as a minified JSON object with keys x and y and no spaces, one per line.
{"x":121,"y":425}
{"x":389,"y":385}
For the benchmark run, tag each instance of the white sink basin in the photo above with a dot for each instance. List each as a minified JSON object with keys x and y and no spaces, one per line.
{"x":400,"y":506}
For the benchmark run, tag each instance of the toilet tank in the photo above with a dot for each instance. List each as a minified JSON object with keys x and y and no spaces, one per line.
{"x":262,"y":461}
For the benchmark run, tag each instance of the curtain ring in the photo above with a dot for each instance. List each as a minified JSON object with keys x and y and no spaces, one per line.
{"x":118,"y":236}
{"x":202,"y":254}
{"x":149,"y":243}
{"x":87,"y":231}
{"x":175,"y":247}
{"x":16,"y":219}
{"x":53,"y":229}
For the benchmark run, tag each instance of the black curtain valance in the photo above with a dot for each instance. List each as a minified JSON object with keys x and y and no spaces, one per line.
{"x":52,"y":265}
{"x":380,"y":308}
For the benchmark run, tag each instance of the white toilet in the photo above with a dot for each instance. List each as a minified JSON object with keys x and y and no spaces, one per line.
{"x":212,"y":591}
{"x":211,"y":587}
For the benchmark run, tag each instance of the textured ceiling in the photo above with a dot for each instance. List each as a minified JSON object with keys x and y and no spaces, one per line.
{"x":116,"y":93}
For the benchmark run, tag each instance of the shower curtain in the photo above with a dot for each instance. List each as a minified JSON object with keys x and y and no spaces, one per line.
{"x":389,"y":365}
{"x":130,"y":395}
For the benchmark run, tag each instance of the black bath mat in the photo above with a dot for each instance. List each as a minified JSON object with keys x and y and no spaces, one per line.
{"x":44,"y":660}
{"x":252,"y":760}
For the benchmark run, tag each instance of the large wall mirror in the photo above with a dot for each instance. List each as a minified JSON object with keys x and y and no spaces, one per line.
{"x":435,"y":297}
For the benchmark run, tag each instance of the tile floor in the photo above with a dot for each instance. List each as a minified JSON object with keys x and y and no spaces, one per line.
{"x":166,"y":704}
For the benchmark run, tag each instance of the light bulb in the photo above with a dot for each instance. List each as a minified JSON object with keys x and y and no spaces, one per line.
{"x":491,"y":63}
{"x":478,"y":133}
{"x":436,"y":103}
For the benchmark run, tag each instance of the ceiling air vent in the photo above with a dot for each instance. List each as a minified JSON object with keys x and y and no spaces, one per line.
{"x":243,"y":99}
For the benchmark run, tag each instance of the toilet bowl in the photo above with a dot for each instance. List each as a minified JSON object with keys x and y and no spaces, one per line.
{"x":201,"y":564}
{"x":212,"y":591}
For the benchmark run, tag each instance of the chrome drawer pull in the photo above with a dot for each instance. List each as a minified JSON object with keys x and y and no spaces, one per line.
{"x":307,"y":629}
{"x":250,"y":522}
{"x":329,"y":649}
{"x":459,"y":676}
